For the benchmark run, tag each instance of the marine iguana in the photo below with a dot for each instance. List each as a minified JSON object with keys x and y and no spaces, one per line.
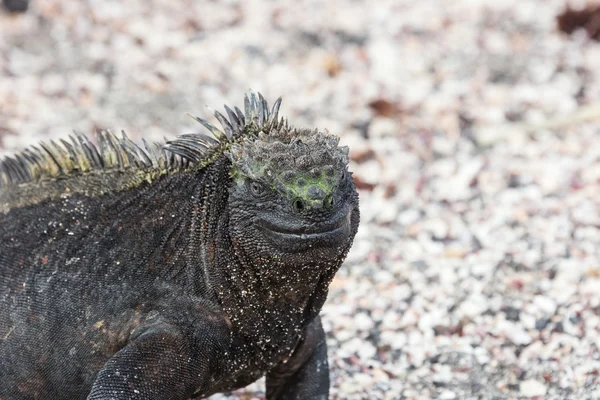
{"x":173,"y":272}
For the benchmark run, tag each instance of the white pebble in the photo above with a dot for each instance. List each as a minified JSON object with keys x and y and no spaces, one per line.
{"x":532,"y":388}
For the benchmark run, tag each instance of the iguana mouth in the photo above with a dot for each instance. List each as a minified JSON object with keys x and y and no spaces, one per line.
{"x":331,"y":232}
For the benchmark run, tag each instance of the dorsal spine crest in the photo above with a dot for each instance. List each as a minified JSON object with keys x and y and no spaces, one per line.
{"x":53,"y":161}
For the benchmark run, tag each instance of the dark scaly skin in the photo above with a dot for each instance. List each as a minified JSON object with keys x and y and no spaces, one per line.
{"x":169,"y":290}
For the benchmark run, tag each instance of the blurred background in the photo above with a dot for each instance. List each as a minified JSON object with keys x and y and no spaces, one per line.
{"x":474,"y":134}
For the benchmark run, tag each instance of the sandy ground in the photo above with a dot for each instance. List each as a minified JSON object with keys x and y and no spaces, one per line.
{"x":476,"y":270}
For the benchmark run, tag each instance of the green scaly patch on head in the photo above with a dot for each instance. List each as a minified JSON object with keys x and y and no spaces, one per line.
{"x":298,"y":163}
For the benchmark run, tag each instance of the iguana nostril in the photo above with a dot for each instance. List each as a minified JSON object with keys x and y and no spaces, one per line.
{"x":298,"y":205}
{"x":328,"y":202}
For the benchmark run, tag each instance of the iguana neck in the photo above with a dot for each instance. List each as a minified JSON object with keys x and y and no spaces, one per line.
{"x":263,"y":305}
{"x":263,"y":299}
{"x":254,"y":293}
{"x":268,"y":287}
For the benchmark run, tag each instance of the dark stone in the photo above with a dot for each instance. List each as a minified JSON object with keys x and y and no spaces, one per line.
{"x":16,"y":5}
{"x":512,"y":313}
{"x":541,"y":323}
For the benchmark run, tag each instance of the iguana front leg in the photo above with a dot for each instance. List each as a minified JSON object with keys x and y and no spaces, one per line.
{"x":162,"y":363}
{"x":306,"y":374}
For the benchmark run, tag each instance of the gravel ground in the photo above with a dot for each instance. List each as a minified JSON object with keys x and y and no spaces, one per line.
{"x":476,"y":271}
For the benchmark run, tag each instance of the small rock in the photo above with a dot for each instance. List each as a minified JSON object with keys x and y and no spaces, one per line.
{"x":519,"y":336}
{"x":443,"y":376}
{"x":512,"y":313}
{"x":366,"y":351}
{"x":447,"y":395}
{"x":409,"y":216}
{"x":409,"y":318}
{"x":545,"y":304}
{"x":541,"y":323}
{"x":363,"y":322}
{"x":383,"y":127}
{"x":532,"y":388}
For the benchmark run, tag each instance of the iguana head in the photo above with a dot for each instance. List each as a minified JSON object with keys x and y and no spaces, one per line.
{"x":291,"y":199}
{"x":292,"y":196}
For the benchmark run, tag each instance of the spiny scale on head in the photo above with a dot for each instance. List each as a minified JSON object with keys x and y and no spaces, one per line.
{"x":52,"y":160}
{"x":297,"y":162}
{"x":303,"y":150}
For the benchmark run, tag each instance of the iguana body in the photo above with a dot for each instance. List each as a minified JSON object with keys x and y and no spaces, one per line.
{"x":174,"y":273}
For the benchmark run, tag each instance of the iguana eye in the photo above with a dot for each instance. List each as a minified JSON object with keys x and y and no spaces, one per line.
{"x":256,"y":188}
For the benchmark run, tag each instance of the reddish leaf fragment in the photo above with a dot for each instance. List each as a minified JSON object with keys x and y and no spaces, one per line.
{"x":385,"y":108}
{"x":362,"y":155}
{"x":589,"y":19}
{"x":362,"y":185}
